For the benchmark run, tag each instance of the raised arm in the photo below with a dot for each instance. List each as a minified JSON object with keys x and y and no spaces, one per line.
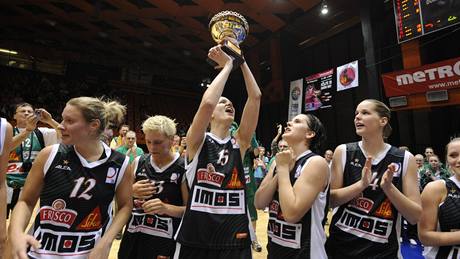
{"x":31,"y":124}
{"x":250,"y":114}
{"x":267,"y":188}
{"x":195,"y":133}
{"x":296,"y":200}
{"x":340,"y":194}
{"x":407,"y":202}
{"x":48,"y":119}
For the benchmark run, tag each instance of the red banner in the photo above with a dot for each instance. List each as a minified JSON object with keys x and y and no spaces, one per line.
{"x":433,"y":77}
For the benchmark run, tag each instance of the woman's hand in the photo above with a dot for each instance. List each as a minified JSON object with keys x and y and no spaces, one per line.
{"x":19,"y":244}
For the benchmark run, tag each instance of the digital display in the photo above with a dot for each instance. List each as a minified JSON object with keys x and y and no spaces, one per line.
{"x":415,"y":18}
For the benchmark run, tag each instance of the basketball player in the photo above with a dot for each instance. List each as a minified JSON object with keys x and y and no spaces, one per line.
{"x":76,"y":182}
{"x":160,"y":195}
{"x":216,"y":223}
{"x":440,"y":221}
{"x":372,"y":183}
{"x":296,"y":192}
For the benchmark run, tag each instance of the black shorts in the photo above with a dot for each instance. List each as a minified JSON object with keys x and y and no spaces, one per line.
{"x":187,"y":252}
{"x":142,"y":246}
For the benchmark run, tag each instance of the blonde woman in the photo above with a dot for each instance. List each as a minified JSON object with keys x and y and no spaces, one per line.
{"x":440,"y":222}
{"x":160,"y":194}
{"x":76,"y":182}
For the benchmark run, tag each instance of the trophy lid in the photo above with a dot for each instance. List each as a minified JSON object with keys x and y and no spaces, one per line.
{"x":232,"y":17}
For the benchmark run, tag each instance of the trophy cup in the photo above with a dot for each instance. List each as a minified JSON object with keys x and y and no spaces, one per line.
{"x":229,"y":24}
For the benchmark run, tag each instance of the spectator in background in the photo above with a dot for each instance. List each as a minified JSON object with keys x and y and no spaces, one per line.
{"x":260,"y":165}
{"x":6,"y":136}
{"x":130,"y":148}
{"x":120,"y":140}
{"x":176,"y":144}
{"x":27,"y":141}
{"x":328,"y":156}
{"x":428,"y":152}
{"x":183,"y":146}
{"x":419,"y":161}
{"x":433,"y":171}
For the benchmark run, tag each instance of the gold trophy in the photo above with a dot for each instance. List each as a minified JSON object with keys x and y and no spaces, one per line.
{"x":229,"y":24}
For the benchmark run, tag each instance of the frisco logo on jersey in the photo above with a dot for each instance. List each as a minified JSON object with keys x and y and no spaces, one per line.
{"x":368,"y":227}
{"x":57,"y":214}
{"x":210,"y":176}
{"x":361,"y":203}
{"x":151,"y":225}
{"x":284,"y":234}
{"x":111,"y":175}
{"x":218,"y":201}
{"x":64,"y":166}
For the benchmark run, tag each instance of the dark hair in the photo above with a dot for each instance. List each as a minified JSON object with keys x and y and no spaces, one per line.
{"x":316,"y":126}
{"x":383,"y":111}
{"x":19,"y":105}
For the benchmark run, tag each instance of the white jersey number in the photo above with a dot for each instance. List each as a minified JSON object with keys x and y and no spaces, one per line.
{"x":89,"y":183}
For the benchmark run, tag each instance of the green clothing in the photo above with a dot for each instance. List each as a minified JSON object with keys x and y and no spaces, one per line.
{"x":124,"y":150}
{"x":426,"y":171}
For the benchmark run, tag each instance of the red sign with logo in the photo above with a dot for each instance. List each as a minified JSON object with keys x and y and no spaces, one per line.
{"x":433,"y":77}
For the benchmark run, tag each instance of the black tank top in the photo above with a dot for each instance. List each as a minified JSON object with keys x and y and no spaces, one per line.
{"x":449,"y":219}
{"x":288,"y":240}
{"x":216,"y":214}
{"x":168,"y":183}
{"x":365,"y":227}
{"x":75,"y":202}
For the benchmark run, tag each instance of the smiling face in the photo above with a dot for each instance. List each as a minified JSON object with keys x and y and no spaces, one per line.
{"x":158,"y":144}
{"x":224,"y":110}
{"x":367,"y":120}
{"x":74,"y":128}
{"x":453,"y":157}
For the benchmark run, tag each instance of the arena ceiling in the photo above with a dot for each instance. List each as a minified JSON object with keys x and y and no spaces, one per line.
{"x":168,"y":38}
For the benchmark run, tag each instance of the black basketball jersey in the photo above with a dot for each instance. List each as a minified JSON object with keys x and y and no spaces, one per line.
{"x":304,"y":239}
{"x":366,"y":226}
{"x":75,"y":202}
{"x":161,"y":228}
{"x":216,"y":214}
{"x":448,"y":221}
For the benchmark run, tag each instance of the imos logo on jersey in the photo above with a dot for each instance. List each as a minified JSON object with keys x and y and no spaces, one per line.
{"x":218,"y":201}
{"x":57,"y":214}
{"x":284,"y":234}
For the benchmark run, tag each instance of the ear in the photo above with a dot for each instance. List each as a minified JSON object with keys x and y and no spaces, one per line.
{"x":383,"y":121}
{"x":310,"y":134}
{"x":95,"y":125}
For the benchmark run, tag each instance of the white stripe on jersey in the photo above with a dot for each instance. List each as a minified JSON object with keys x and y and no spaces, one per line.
{"x":2,"y":134}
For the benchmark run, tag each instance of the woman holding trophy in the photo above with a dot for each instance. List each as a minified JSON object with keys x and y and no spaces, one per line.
{"x":216,"y":223}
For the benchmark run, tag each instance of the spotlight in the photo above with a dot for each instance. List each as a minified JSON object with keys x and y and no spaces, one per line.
{"x":324,"y":8}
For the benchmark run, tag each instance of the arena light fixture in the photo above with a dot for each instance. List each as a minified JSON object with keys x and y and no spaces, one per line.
{"x":7,"y":51}
{"x":324,"y":8}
